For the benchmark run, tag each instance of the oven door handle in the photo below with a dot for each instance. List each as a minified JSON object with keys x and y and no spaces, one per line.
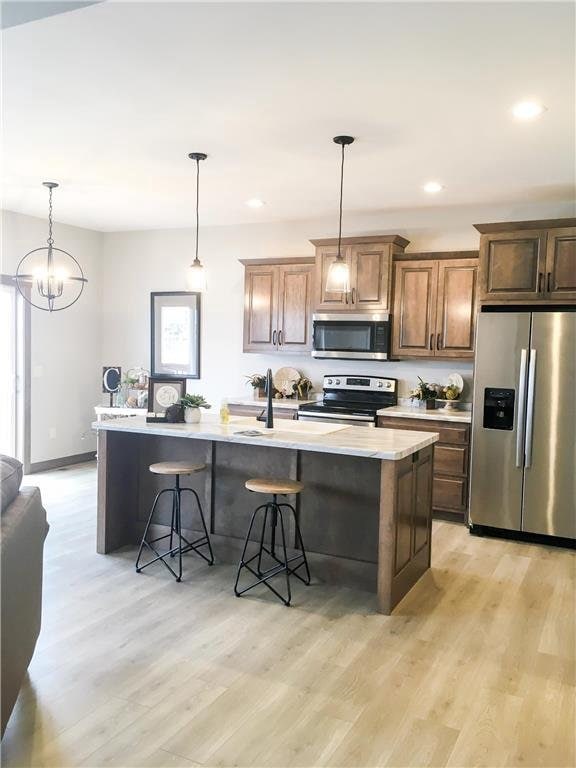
{"x":342,"y":416}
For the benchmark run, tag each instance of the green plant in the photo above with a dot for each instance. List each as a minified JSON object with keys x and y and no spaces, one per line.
{"x":194,"y":401}
{"x":304,"y":387}
{"x":424,"y":391}
{"x":257,"y":380}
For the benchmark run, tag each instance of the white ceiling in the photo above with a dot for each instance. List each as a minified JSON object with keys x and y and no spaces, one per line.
{"x":109,"y":100}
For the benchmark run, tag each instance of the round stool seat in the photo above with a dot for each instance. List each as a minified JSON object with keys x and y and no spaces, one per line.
{"x":273,"y":485}
{"x":176,"y":468}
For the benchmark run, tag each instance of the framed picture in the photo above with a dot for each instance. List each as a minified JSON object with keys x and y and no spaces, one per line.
{"x":164,"y":391}
{"x":175,"y":334}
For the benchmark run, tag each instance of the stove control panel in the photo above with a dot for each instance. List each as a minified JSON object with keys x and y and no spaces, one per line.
{"x":361,"y":383}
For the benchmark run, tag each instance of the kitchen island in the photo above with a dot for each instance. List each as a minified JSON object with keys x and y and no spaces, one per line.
{"x":365,"y":512}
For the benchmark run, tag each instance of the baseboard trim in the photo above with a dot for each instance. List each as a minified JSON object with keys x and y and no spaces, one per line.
{"x":65,"y":461}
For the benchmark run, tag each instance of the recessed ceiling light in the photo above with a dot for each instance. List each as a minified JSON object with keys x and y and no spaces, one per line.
{"x":432,"y":187}
{"x":255,"y":202}
{"x":527,"y":110}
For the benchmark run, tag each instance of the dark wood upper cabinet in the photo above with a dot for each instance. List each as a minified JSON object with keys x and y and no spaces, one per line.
{"x":370,"y":262}
{"x":278,"y":305}
{"x":414,"y":318}
{"x":561,"y":264}
{"x":260,"y":308}
{"x":295,"y":307}
{"x":370,"y":277}
{"x":528,"y":261}
{"x":456,"y":307}
{"x":435,"y":305}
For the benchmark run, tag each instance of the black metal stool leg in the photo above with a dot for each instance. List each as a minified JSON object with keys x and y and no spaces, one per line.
{"x":143,"y":542}
{"x":300,"y":545}
{"x":199,"y":543}
{"x":172,"y":523}
{"x":259,"y":567}
{"x":242,"y":562}
{"x":179,"y":527}
{"x":287,"y":570}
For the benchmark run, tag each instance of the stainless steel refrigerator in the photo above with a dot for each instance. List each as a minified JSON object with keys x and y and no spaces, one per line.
{"x":523,"y":471}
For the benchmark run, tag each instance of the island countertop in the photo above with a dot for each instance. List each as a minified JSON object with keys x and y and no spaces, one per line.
{"x":384,"y":444}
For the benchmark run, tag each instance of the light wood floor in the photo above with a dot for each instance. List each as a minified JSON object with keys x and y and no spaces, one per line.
{"x":476,"y":667}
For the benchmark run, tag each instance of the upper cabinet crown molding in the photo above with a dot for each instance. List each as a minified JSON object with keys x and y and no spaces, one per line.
{"x":370,"y":261}
{"x":278,"y":261}
{"x":516,"y":226}
{"x":363,"y":240}
{"x":528,"y":261}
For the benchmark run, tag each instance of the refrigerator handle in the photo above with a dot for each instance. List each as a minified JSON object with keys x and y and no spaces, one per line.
{"x":521,"y":409}
{"x":530,"y":407}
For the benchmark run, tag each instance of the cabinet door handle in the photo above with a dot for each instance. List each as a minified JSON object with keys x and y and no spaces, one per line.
{"x":274,"y":335}
{"x":279,"y":338}
{"x":439,"y":342}
{"x":430,"y":342}
{"x":353,"y":295}
{"x":540,"y":278}
{"x":548,"y":278}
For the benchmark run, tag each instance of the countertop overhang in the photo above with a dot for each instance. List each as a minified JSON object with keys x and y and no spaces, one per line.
{"x":386,"y":444}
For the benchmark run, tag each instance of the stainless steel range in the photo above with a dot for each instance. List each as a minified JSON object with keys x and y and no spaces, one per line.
{"x":352,"y":400}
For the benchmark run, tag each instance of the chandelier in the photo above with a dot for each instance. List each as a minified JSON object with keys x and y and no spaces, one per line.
{"x":50,"y":278}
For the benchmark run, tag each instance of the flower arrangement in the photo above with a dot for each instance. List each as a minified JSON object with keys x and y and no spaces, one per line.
{"x":426,"y":393}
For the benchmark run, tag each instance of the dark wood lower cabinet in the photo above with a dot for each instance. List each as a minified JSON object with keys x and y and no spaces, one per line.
{"x":451,"y":463}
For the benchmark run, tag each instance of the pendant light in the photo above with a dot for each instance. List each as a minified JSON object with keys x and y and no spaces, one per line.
{"x":338,"y":278}
{"x":196,"y":271}
{"x":55,"y":273}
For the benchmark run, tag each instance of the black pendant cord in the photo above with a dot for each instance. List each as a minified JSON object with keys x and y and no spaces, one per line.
{"x":339,"y":257}
{"x":197,"y":206}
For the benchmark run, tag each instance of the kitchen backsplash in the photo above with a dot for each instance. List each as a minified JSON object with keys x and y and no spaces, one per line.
{"x":406,"y":371}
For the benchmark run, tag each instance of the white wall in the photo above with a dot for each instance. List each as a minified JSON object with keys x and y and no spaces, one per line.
{"x":136,"y":263}
{"x":65,"y":346}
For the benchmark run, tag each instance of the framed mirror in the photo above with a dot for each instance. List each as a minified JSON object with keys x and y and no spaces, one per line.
{"x":175,"y":334}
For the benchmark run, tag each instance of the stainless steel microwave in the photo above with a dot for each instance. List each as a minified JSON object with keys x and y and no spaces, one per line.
{"x":351,"y":336}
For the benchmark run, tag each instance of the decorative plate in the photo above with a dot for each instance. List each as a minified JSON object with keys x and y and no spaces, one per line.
{"x":457,"y":381}
{"x":285,"y":379}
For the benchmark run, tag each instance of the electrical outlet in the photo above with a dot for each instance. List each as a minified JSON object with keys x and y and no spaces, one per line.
{"x":52,"y":432}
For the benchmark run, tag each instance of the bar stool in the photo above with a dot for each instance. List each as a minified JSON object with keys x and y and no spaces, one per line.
{"x":175,"y":469}
{"x":282,"y":563}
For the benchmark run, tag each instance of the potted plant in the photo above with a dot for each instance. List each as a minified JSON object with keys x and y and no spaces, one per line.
{"x":425,"y":393}
{"x":303,"y":387}
{"x":258,"y":383}
{"x":192,"y":405}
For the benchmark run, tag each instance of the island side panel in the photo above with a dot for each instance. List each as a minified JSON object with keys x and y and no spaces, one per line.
{"x":338,"y":514}
{"x":405,"y":534}
{"x":235,"y":463}
{"x":118,"y":489}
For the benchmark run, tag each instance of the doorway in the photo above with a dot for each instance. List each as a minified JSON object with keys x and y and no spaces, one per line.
{"x":14,"y":381}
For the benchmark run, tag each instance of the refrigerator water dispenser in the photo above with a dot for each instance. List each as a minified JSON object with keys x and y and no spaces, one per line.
{"x":498,"y":408}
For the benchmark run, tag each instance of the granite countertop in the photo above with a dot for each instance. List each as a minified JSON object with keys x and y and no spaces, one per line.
{"x":390,"y":444}
{"x":262,"y":402}
{"x":438,"y":414}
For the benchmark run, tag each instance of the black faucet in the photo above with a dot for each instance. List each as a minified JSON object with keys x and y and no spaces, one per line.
{"x":268,"y":415}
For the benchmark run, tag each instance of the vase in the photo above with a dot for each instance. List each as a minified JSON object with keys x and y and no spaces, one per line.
{"x":430,"y":405}
{"x":259,"y":392}
{"x":191,"y":415}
